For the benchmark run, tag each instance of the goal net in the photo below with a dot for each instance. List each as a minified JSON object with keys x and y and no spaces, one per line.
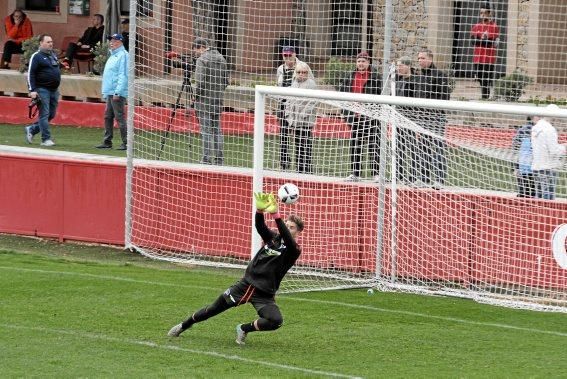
{"x":400,"y":194}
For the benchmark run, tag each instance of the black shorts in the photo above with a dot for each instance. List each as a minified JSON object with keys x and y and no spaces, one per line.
{"x":242,"y":293}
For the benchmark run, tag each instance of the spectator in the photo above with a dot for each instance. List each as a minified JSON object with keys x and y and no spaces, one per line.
{"x":125,"y":26}
{"x":211,"y":80}
{"x":115,"y":91}
{"x":301,"y":116}
{"x":432,"y":83}
{"x":90,"y":38}
{"x":364,"y":79}
{"x":485,"y":35}
{"x":407,"y":139}
{"x":44,"y":77}
{"x":547,"y":157}
{"x":18,"y":28}
{"x":522,"y":143}
{"x":284,"y":76}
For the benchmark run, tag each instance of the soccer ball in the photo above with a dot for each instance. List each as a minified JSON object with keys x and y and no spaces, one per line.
{"x":288,"y":193}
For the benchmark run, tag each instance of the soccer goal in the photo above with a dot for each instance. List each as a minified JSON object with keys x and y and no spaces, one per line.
{"x":448,"y":211}
{"x":445,"y":212}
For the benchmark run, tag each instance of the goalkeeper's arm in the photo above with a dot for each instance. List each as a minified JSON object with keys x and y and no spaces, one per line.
{"x":262,"y":202}
{"x":262,"y":229}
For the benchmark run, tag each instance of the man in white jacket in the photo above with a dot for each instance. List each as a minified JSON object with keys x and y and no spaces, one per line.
{"x":548,"y":156}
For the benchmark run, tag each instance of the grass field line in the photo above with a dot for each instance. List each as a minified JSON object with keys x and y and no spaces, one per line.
{"x":214,"y":354}
{"x":297,"y":298}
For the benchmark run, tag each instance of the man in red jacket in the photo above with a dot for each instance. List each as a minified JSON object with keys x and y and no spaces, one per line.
{"x":485,"y":36}
{"x":18,"y":29}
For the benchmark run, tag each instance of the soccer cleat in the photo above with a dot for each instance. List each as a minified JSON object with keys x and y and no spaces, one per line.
{"x":240,"y":335}
{"x":437,"y":186}
{"x":352,"y":178}
{"x":176,"y":330}
{"x":29,"y":135}
{"x":48,"y":143}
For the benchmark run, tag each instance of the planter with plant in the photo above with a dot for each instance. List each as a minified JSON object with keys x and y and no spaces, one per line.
{"x":511,"y":87}
{"x":101,"y":51}
{"x":29,"y":47}
{"x":335,"y":71}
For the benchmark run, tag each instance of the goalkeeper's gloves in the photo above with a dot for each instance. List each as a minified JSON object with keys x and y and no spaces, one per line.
{"x":272,"y":204}
{"x":262,"y":200}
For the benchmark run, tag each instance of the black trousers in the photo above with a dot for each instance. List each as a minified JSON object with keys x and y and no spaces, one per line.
{"x":526,"y":185}
{"x":364,"y":132}
{"x":485,"y":76}
{"x":406,"y":156}
{"x":270,"y":317}
{"x":72,"y":50}
{"x":285,"y":156}
{"x":10,"y":48}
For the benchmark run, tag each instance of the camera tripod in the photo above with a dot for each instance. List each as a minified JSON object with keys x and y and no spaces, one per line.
{"x":188,"y":90}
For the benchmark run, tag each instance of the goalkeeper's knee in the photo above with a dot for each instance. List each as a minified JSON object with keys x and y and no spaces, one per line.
{"x":270,"y":318}
{"x":270,"y":323}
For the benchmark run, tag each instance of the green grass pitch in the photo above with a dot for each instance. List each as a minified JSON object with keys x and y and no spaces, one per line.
{"x":69,"y":310}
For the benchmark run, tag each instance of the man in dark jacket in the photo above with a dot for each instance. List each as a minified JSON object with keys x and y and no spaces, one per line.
{"x":432,"y":83}
{"x":90,"y":38}
{"x":364,"y":79}
{"x":44,"y":77}
{"x":262,"y":277}
{"x":407,"y":139}
{"x":211,"y":80}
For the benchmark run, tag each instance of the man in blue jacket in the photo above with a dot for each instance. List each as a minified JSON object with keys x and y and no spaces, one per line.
{"x":44,"y":77}
{"x":115,"y":91}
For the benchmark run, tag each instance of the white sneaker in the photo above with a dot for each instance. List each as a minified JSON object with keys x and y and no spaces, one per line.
{"x":352,"y":178}
{"x":29,"y":135}
{"x":376,"y":178}
{"x":175,"y":331}
{"x":437,"y":186}
{"x":240,"y":335}
{"x":48,"y":143}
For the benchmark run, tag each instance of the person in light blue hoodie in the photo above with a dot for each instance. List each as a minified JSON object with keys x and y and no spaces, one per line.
{"x":115,"y":91}
{"x":522,"y":143}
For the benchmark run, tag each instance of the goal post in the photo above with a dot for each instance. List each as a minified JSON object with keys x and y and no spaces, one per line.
{"x":434,"y":240}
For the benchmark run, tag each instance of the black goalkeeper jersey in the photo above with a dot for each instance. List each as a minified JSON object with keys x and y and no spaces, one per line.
{"x":270,"y":264}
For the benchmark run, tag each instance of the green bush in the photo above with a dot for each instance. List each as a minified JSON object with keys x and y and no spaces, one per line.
{"x":101,"y":51}
{"x":336,"y":70}
{"x":29,"y":47}
{"x":511,"y":87}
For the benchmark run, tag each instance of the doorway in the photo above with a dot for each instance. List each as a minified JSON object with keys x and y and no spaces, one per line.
{"x":465,"y":15}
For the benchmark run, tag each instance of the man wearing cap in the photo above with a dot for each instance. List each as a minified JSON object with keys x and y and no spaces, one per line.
{"x":284,"y":78}
{"x":364,"y":131}
{"x":211,"y":80}
{"x":115,"y":91}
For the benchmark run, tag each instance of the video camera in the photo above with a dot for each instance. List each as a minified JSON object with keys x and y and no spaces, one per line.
{"x":186,"y":62}
{"x":34,"y":103}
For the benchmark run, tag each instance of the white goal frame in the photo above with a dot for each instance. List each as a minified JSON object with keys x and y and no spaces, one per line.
{"x":261,"y":92}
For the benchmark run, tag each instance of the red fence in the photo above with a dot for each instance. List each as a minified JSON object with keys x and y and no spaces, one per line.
{"x":462,"y":237}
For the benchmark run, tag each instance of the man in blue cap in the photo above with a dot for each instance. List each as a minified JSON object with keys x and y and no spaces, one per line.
{"x":115,"y":91}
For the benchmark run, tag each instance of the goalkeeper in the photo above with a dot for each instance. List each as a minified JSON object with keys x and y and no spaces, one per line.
{"x":262,"y":277}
